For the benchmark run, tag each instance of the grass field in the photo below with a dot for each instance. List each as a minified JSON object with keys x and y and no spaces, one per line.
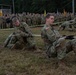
{"x":24,"y":62}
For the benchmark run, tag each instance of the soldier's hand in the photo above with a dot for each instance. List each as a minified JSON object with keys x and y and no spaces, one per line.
{"x":30,"y":35}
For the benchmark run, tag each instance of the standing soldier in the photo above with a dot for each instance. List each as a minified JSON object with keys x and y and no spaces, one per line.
{"x":8,"y":20}
{"x":34,"y":19}
{"x":42,"y":19}
{"x":29,"y":19}
{"x":55,"y":44}
{"x":2,"y":22}
{"x":38,"y":16}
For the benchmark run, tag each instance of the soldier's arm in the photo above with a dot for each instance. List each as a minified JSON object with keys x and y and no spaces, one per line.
{"x":23,"y":34}
{"x":27,"y":29}
{"x":70,"y":37}
{"x":44,"y":36}
{"x":59,"y":28}
{"x":29,"y":32}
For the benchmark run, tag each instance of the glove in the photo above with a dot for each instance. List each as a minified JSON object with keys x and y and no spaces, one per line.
{"x":70,"y":37}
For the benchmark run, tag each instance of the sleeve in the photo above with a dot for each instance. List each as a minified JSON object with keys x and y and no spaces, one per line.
{"x":27,"y":29}
{"x":44,"y":36}
{"x":23,"y":34}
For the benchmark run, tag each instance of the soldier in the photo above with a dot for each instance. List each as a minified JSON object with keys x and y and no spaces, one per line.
{"x":8,"y":20}
{"x":55,"y":44}
{"x":21,"y":37}
{"x":34,"y":19}
{"x":2,"y":22}
{"x":73,"y":22}
{"x":66,"y":25}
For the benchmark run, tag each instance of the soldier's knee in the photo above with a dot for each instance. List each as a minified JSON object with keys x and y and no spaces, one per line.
{"x":61,"y":53}
{"x":68,"y":47}
{"x":17,"y":45}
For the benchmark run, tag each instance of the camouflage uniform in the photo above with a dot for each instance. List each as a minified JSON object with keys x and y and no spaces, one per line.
{"x":2,"y":22}
{"x":30,"y":40}
{"x":73,"y":22}
{"x":21,"y":37}
{"x":66,"y":25}
{"x":55,"y":44}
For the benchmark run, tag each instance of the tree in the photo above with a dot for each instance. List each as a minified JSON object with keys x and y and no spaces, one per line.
{"x":38,"y":6}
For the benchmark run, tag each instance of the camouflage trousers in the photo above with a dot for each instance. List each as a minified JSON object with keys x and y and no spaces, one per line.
{"x":14,"y":41}
{"x":31,"y":42}
{"x":60,"y":48}
{"x":18,"y":42}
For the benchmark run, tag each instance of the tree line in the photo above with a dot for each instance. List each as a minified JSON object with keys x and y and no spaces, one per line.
{"x":38,"y":6}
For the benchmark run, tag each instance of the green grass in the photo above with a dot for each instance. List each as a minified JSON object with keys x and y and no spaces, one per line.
{"x":24,"y":62}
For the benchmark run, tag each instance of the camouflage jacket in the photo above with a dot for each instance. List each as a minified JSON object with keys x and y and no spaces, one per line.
{"x":49,"y":34}
{"x":24,"y":29}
